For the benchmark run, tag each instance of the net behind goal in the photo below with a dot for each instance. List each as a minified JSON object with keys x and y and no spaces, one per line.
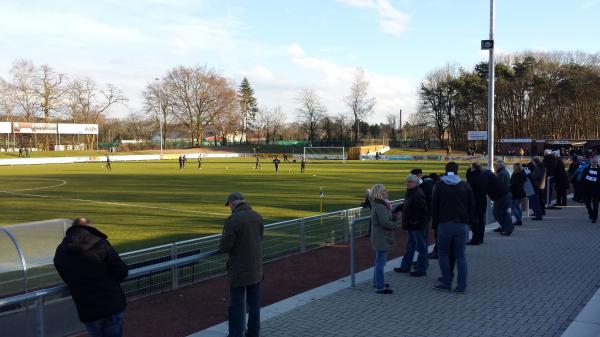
{"x":325,"y":153}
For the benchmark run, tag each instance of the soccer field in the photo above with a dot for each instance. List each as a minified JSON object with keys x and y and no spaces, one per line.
{"x":141,"y":204}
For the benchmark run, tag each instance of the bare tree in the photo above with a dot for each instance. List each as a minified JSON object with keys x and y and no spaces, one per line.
{"x":88,"y":104}
{"x":159,"y":105}
{"x":199,"y":95}
{"x":358,"y":101}
{"x":309,"y":112}
{"x":392,"y":126}
{"x":49,"y":89}
{"x":7,"y":99}
{"x":271,"y":121}
{"x":23,"y":75}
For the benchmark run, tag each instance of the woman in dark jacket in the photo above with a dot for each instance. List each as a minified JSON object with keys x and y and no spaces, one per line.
{"x":517,"y":180}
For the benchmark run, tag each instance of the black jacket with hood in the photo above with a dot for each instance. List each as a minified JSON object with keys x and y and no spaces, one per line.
{"x":452,"y":202}
{"x":92,"y":270}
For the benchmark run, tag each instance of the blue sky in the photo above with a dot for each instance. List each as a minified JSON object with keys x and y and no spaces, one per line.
{"x":284,"y":46}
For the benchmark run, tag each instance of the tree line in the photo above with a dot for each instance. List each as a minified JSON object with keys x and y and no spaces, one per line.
{"x":194,"y":102}
{"x":537,"y":95}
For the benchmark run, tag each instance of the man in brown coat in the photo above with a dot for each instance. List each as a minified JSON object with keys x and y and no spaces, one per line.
{"x":242,"y":240}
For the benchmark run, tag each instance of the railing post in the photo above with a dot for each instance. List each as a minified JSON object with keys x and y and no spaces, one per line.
{"x":549,"y":191}
{"x":302,"y":241}
{"x":174,"y":276}
{"x":352,"y":248}
{"x":345,"y":220}
{"x":39,"y":317}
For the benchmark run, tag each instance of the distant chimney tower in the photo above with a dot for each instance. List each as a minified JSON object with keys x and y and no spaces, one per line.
{"x":400,"y":125}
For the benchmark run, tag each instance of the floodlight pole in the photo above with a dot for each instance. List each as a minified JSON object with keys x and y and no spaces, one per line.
{"x":491,"y":75}
{"x":160,"y":115}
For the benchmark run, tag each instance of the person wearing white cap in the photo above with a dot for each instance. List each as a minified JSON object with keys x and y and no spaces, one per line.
{"x":415,"y":218}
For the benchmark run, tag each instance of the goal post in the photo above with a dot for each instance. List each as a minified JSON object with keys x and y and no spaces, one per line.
{"x":325,"y":153}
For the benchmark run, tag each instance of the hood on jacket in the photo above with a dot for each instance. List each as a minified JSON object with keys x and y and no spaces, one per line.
{"x":241,"y":205}
{"x":451,"y":180}
{"x":80,"y":239}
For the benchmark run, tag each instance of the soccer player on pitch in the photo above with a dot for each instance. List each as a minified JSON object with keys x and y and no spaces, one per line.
{"x":200,"y":161}
{"x":108,"y":163}
{"x":302,"y":165}
{"x":276,"y":161}
{"x":257,"y":163}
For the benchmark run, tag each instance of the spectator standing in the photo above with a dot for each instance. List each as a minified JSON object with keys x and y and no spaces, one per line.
{"x":532,"y":194}
{"x":573,"y":176}
{"x":517,"y":192}
{"x":415,"y":220}
{"x":479,"y":185}
{"x":591,"y":188}
{"x":562,"y":182}
{"x":538,"y":179}
{"x":93,"y":271}
{"x":453,"y":208}
{"x":499,"y":193}
{"x":382,"y":235}
{"x":242,"y":240}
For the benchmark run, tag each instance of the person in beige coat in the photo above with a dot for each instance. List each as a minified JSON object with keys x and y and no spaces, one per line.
{"x":382,"y":235}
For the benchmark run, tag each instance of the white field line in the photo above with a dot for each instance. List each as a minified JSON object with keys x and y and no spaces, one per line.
{"x":63,"y":182}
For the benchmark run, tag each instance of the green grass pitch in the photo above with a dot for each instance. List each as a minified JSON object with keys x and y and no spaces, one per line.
{"x":141,"y":204}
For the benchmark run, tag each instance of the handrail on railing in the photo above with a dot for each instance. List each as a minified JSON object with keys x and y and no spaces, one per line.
{"x":175,"y":261}
{"x":39,"y":295}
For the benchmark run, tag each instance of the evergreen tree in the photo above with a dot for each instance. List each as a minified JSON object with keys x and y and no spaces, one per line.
{"x":248,"y":105}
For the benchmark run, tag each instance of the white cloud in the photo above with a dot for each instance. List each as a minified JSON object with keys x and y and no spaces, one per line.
{"x":391,"y":20}
{"x":332,"y":82}
{"x":295,"y":50}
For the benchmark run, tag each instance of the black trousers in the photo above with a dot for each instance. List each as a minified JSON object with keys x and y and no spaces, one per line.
{"x":561,"y":196}
{"x":478,"y":227}
{"x":591,"y":203}
{"x":542,"y":199}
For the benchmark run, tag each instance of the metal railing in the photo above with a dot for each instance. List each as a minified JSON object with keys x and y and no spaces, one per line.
{"x":170,"y":266}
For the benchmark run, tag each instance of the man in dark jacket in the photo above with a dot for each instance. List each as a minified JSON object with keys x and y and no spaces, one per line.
{"x":573,"y":167}
{"x":562,"y":183}
{"x":415,"y":219}
{"x":93,"y":270}
{"x":479,"y":185}
{"x":538,"y":179}
{"x":498,"y":192}
{"x":242,"y":240}
{"x":549,"y":162}
{"x":591,"y":188}
{"x":453,"y":208}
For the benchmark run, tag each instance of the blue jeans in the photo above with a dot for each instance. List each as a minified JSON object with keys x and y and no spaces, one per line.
{"x":453,"y":236}
{"x":501,"y":214}
{"x":237,"y":310}
{"x":380,"y":260}
{"x":107,"y":327}
{"x":416,"y":241}
{"x":515,"y":208}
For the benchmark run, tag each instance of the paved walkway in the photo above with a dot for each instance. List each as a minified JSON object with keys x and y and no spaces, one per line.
{"x":533,"y":283}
